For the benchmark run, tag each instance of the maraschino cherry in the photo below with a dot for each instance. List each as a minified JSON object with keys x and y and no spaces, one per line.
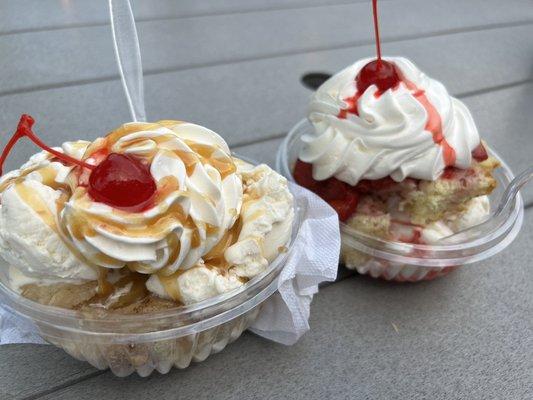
{"x":378,"y":72}
{"x":121,"y":181}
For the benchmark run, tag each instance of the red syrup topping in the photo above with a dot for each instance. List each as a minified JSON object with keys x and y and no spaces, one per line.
{"x":378,"y":72}
{"x":119,"y":180}
{"x":123,"y":181}
{"x":24,"y":129}
{"x":434,"y":122}
{"x":343,"y":197}
{"x":386,"y":76}
{"x":337,"y":194}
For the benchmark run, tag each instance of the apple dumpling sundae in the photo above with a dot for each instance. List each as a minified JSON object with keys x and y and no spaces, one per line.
{"x":151,"y":216}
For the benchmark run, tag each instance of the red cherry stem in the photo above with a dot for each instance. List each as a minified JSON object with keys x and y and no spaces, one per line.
{"x":376,"y":29}
{"x":24,"y":129}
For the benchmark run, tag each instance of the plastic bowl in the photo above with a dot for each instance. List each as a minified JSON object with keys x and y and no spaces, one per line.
{"x":160,"y":340}
{"x":400,"y":261}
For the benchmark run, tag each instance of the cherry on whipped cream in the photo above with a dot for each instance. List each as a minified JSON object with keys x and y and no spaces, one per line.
{"x":119,"y":180}
{"x":122,"y":181}
{"x":378,"y":72}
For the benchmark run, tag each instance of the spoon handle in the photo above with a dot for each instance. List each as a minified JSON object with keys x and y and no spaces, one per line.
{"x":128,"y":55}
{"x":512,"y":190}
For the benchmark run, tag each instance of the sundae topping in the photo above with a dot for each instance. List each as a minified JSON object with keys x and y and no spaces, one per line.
{"x":377,"y":72}
{"x":30,"y":236}
{"x":122,"y":181}
{"x":197,"y":200}
{"x":165,"y":199}
{"x":263,"y":228}
{"x":480,"y":153}
{"x":415,"y":129}
{"x":384,"y":117}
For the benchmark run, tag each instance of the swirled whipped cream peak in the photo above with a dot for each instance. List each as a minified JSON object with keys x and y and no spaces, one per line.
{"x":164,"y":204}
{"x":414,"y":129}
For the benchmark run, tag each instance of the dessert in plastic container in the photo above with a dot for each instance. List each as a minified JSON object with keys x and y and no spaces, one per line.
{"x":147,"y":248}
{"x":151,"y":341}
{"x":400,"y":261}
{"x":402,"y":163}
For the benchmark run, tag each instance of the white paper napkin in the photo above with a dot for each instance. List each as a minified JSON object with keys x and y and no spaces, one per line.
{"x":284,"y":317}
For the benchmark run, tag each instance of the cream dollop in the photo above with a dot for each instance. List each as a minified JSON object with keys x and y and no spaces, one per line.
{"x":265,"y":227}
{"x":389,"y":136}
{"x":199,"y":198}
{"x":267,"y":215}
{"x":30,"y":238}
{"x":214,"y":223}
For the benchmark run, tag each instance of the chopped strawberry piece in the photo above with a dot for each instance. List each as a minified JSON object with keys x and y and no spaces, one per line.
{"x":364,"y":186}
{"x":448,"y":173}
{"x":480,"y":153}
{"x":332,"y":189}
{"x":303,"y":175}
{"x":417,"y":237}
{"x":383,"y":183}
{"x":341,"y":196}
{"x":345,"y":207}
{"x":342,"y":114}
{"x":377,"y":185}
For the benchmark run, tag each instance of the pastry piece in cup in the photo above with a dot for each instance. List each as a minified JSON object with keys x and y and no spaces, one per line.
{"x":398,"y":158}
{"x":149,"y":220}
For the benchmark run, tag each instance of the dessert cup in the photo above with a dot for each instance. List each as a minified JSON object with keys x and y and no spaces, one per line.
{"x":406,"y":262}
{"x":152,"y":341}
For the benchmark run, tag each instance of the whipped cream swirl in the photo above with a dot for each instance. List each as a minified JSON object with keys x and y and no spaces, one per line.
{"x":31,"y":239}
{"x":198,"y":199}
{"x":264,"y":228}
{"x":213,"y":223}
{"x":390,"y":133}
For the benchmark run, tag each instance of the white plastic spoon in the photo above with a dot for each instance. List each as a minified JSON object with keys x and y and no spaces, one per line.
{"x":128,"y":54}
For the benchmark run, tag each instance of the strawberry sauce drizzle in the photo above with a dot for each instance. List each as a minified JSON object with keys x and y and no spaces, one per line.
{"x":376,"y":29}
{"x":352,"y":106}
{"x":24,"y":129}
{"x":385,"y":76}
{"x":434,"y":122}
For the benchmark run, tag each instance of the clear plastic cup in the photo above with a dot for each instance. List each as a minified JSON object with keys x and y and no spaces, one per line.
{"x":402,"y":262}
{"x":152,"y":341}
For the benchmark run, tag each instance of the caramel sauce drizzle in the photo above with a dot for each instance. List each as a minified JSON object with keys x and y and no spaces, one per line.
{"x":33,"y":200}
{"x":216,"y":254}
{"x":82,"y":223}
{"x":37,"y":204}
{"x":174,"y":244}
{"x":104,"y":287}
{"x":170,"y":284}
{"x":213,"y":259}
